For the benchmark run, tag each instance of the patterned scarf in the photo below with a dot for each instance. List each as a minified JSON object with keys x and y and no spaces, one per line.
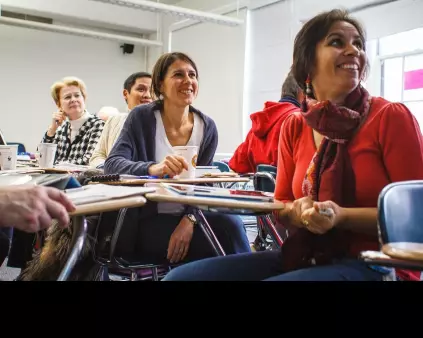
{"x":329,"y":177}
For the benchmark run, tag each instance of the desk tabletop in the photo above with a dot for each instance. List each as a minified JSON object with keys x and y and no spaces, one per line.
{"x":110,"y":205}
{"x":180,"y":181}
{"x":33,"y":169}
{"x":164,"y":195}
{"x":404,"y":250}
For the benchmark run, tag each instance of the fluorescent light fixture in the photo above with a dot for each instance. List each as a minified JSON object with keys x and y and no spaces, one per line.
{"x":362,"y":7}
{"x":78,"y":32}
{"x":176,"y":11}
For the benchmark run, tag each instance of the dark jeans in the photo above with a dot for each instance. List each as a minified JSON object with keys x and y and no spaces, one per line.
{"x":154,"y":235}
{"x":266,"y":265}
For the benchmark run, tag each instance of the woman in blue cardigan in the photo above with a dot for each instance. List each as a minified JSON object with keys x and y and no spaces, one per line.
{"x":167,"y":231}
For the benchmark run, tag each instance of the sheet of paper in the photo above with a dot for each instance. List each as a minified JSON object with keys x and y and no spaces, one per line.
{"x":102,"y":192}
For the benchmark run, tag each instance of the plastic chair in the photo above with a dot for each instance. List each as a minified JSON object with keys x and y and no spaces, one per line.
{"x":400,"y":218}
{"x":265,"y":178}
{"x":223,"y":167}
{"x":267,"y":168}
{"x":21,"y":147}
{"x":400,"y":212}
{"x":131,"y":268}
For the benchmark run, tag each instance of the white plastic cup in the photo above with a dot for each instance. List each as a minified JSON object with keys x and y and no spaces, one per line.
{"x":47,"y":153}
{"x":190,"y":154}
{"x":8,"y":157}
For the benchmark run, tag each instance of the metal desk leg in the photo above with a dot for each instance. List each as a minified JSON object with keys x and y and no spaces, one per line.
{"x":271,"y":230}
{"x":79,"y":224}
{"x":208,"y":232}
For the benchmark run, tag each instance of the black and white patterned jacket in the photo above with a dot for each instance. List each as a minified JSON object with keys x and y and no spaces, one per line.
{"x":81,"y":149}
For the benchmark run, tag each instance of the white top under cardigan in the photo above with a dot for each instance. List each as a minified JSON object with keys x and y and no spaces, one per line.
{"x":164,"y":148}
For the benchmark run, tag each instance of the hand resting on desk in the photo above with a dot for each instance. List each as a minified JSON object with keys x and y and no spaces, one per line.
{"x":172,"y":165}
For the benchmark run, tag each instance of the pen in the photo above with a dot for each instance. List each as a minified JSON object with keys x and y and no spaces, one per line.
{"x":135,"y":177}
{"x":327,"y":212}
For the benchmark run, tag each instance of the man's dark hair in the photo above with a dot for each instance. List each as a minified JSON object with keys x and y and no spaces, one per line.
{"x":130,"y":81}
{"x":290,"y":87}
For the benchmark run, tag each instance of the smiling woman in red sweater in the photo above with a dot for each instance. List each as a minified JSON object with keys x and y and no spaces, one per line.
{"x":339,"y":152}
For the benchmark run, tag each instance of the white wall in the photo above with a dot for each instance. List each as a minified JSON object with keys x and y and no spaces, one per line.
{"x":269,"y":46}
{"x":31,"y":61}
{"x":272,"y":31}
{"x":219,"y":52}
{"x":392,"y":18}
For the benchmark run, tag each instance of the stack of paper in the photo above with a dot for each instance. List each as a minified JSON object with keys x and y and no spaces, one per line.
{"x":71,"y":167}
{"x":201,"y":171}
{"x":102,"y":192}
{"x":6,"y":180}
{"x":21,"y":171}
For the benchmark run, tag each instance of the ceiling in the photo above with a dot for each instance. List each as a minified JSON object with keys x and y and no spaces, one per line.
{"x":168,"y":2}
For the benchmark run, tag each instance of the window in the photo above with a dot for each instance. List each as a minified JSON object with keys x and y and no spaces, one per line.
{"x":413,"y":78}
{"x":402,"y":81}
{"x":392,"y":79}
{"x":402,"y":74}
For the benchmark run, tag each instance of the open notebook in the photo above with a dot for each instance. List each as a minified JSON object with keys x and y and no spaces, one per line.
{"x":214,"y":192}
{"x":102,"y":192}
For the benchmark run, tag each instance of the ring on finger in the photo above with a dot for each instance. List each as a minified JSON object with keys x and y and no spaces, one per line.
{"x":305,"y":222}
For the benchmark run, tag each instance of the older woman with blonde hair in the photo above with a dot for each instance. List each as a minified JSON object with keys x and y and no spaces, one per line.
{"x":74,"y":130}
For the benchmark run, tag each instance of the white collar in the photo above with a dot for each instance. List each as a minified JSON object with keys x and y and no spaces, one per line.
{"x":85,"y":116}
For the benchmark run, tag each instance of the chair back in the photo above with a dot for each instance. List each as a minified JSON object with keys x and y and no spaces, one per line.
{"x":266,"y":168}
{"x":21,"y":146}
{"x":222,"y":166}
{"x":400,"y":212}
{"x":265,"y":178}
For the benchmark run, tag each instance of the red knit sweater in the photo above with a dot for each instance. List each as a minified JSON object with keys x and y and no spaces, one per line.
{"x":388,"y":148}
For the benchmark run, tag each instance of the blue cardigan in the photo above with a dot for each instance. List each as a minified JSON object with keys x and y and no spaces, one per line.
{"x":134,"y":150}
